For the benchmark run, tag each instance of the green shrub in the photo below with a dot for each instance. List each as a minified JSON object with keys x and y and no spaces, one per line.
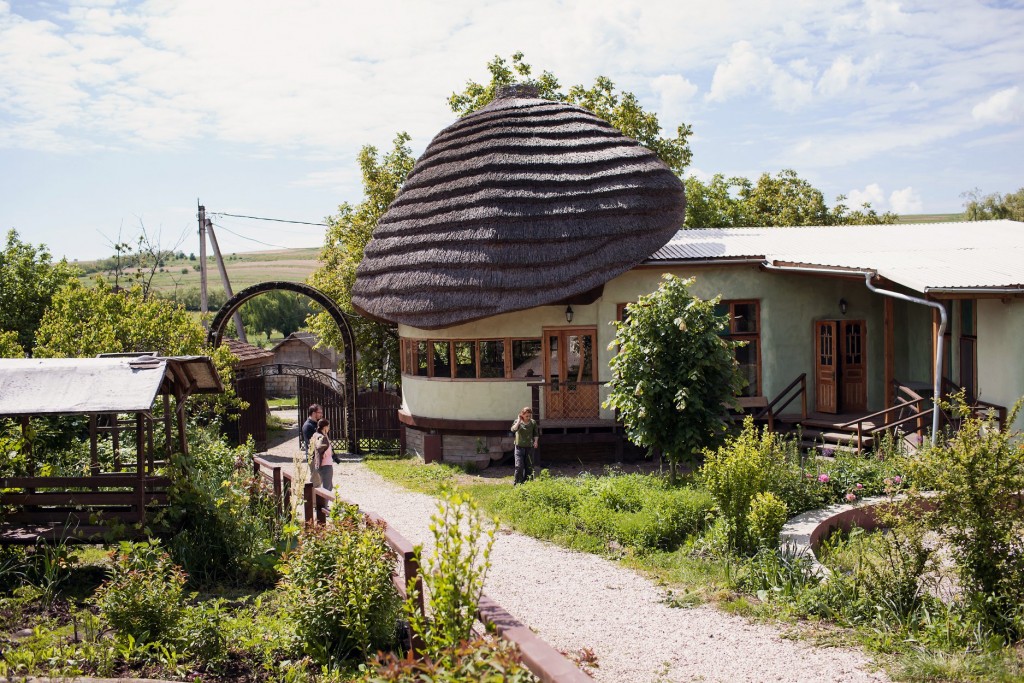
{"x":224,"y":526}
{"x":452,"y":576}
{"x":979,"y":476}
{"x":202,"y":634}
{"x":749,"y":464}
{"x":338,"y":588}
{"x":143,"y":597}
{"x":765,"y":520}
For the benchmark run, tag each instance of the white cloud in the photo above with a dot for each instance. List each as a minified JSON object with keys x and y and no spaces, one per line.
{"x":843,"y":73}
{"x":674,"y":94}
{"x":906,"y":200}
{"x":745,"y":71}
{"x":1005,"y":106}
{"x":872,"y":194}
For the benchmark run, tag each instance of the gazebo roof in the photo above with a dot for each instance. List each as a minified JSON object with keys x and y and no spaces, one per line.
{"x":119,"y":384}
{"x":524,"y":203}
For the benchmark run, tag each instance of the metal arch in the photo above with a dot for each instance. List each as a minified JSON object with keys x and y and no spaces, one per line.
{"x":278,"y":369}
{"x":220,"y":321}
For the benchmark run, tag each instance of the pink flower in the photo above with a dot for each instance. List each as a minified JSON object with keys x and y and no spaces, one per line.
{"x":897,"y":480}
{"x":850,"y":497}
{"x":860,"y":486}
{"x":823,"y":478}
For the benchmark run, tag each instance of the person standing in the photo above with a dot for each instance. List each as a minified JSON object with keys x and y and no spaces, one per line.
{"x":313,"y":416}
{"x":526,"y":432}
{"x":322,"y":467}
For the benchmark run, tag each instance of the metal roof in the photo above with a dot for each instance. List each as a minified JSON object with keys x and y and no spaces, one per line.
{"x":47,"y":386}
{"x":921,"y":256}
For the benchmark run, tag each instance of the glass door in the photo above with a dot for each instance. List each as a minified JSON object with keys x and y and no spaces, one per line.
{"x":570,"y":369}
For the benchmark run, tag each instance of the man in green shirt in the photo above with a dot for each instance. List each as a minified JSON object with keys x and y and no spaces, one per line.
{"x":526,"y":432}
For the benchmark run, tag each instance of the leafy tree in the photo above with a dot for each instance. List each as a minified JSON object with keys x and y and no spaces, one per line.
{"x":781,"y":200}
{"x":82,"y":322}
{"x":28,"y":279}
{"x":9,"y":346}
{"x":978,"y":207}
{"x":285,"y":312}
{"x":348,"y":233}
{"x":621,"y":109}
{"x":673,"y":372}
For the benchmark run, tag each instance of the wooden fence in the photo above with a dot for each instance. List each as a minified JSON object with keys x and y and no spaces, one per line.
{"x":549,"y":665}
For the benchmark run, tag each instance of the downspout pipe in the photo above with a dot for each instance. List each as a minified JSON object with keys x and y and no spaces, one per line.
{"x":943,"y":321}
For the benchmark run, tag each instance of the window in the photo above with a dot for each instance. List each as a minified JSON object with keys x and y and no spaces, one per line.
{"x":745,"y":326}
{"x":472,"y":359}
{"x":492,"y":359}
{"x":947,"y":342}
{"x":465,"y":360}
{"x":526,"y":358}
{"x":969,"y":348}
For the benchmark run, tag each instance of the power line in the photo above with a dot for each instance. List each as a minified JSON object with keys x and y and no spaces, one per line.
{"x":260,"y":218}
{"x":253,"y":239}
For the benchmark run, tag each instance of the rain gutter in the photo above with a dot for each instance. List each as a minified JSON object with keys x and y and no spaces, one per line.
{"x":756,"y":261}
{"x":974,"y":290}
{"x":868,"y":277}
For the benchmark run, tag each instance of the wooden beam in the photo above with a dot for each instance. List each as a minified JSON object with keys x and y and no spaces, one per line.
{"x":889,"y":352}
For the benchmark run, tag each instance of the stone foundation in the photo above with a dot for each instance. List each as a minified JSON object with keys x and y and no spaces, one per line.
{"x":460,"y":449}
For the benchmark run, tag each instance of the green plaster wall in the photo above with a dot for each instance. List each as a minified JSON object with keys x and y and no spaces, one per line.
{"x":1001,"y":352}
{"x":913,"y":341}
{"x":790,"y":302}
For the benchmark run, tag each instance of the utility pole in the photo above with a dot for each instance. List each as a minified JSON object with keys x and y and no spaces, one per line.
{"x":237,"y":317}
{"x":204,"y":305}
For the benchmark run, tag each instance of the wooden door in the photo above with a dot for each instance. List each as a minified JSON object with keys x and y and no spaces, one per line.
{"x":853,"y":381}
{"x":826,"y":366}
{"x":570,"y":368}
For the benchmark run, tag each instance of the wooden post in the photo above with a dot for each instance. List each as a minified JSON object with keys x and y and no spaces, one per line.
{"x":237,"y":317}
{"x":94,"y":460}
{"x":168,"y":438}
{"x":115,"y":428}
{"x":278,"y":490}
{"x":307,"y":503}
{"x":889,"y":354}
{"x":140,"y":464}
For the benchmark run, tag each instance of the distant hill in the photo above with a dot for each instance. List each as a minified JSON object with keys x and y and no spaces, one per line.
{"x":931,"y":218}
{"x":244,"y":269}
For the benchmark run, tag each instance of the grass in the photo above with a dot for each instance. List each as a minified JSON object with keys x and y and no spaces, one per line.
{"x":286,"y":402}
{"x":244,"y":269}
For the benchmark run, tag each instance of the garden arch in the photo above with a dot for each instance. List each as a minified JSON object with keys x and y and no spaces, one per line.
{"x":220,"y":321}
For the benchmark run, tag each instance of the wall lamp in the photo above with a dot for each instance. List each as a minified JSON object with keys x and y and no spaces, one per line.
{"x":568,"y":314}
{"x":842,"y":306}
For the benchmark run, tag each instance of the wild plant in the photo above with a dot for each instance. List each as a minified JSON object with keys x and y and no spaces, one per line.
{"x":979,"y":512}
{"x":453,"y":576}
{"x":337,"y":588}
{"x":144,"y":595}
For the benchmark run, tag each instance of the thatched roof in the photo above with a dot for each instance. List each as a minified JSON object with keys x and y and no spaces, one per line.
{"x":523,"y":203}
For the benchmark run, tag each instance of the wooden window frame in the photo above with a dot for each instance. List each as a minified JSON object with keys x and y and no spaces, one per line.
{"x":410,"y":358}
{"x":753,"y":338}
{"x":972,"y":338}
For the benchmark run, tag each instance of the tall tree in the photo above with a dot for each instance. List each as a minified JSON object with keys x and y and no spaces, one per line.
{"x":673,"y":372}
{"x":348,"y":233}
{"x":621,"y":109}
{"x":28,"y":279}
{"x":780,"y":200}
{"x":979,"y":207}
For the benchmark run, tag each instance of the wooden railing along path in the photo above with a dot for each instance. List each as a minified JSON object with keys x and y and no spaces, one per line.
{"x":549,"y":665}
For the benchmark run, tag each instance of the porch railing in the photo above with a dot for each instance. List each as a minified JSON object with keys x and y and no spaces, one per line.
{"x":909,"y":415}
{"x":568,"y":401}
{"x":796,"y":389}
{"x":980,"y":409}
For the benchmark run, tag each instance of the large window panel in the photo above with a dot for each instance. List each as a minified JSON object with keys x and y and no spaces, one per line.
{"x":527,"y":360}
{"x":465,"y":360}
{"x":422,"y":359}
{"x":492,"y":359}
{"x":745,"y":326}
{"x":442,"y":358}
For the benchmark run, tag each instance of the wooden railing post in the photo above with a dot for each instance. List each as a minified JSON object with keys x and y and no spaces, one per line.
{"x":803,"y":397}
{"x":307,"y":503}
{"x":277,"y":491}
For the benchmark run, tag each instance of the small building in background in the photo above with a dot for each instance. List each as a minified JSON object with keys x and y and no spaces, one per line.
{"x":299,"y":348}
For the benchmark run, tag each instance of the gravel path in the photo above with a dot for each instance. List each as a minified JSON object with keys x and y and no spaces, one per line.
{"x":576,"y":600}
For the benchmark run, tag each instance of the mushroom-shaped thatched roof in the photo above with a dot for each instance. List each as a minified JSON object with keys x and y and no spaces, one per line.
{"x":523,"y":203}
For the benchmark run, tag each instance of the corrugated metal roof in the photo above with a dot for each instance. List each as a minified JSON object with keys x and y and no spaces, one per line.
{"x":922,"y":256}
{"x":47,"y":386}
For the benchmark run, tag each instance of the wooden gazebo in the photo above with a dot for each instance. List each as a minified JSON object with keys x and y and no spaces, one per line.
{"x":119,"y":395}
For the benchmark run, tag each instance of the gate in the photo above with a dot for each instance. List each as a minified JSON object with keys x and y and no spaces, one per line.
{"x":377,"y":424}
{"x":253,"y":420}
{"x":332,"y":399}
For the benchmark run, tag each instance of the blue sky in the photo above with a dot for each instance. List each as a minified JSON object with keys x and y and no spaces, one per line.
{"x":115,"y":113}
